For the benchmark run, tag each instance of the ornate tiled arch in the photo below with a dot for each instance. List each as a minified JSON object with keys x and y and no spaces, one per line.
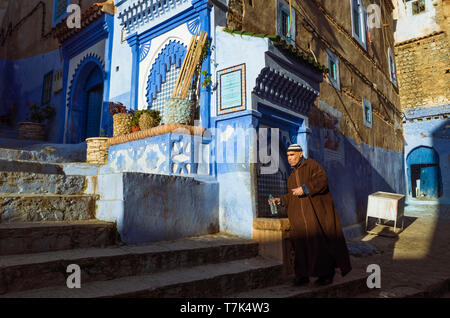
{"x":173,"y":53}
{"x":89,"y":58}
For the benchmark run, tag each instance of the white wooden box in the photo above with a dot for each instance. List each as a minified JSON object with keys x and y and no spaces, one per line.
{"x":386,"y":206}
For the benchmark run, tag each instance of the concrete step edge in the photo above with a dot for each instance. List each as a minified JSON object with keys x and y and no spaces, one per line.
{"x":47,"y":195}
{"x":117,"y":251}
{"x":341,"y":287}
{"x":159,"y":284}
{"x":53,"y":224}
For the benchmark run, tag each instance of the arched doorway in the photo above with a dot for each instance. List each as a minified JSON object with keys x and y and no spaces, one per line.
{"x":424,"y":173}
{"x":86,"y":103}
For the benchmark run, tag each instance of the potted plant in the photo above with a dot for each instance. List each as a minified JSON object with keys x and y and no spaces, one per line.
{"x":34,"y":127}
{"x":122,"y":118}
{"x":146,"y":119}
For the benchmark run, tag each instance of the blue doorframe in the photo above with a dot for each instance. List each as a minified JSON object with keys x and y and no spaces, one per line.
{"x":89,"y":76}
{"x":424,"y":176}
{"x":292,"y":130}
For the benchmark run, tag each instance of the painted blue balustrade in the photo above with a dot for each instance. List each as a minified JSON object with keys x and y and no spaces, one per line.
{"x":170,"y":154}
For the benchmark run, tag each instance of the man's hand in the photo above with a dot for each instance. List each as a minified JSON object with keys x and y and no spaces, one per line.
{"x":298,"y":191}
{"x":276,"y":200}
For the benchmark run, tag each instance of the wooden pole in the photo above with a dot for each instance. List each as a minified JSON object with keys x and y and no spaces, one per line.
{"x":189,"y":65}
{"x":183,"y":68}
{"x":191,"y":69}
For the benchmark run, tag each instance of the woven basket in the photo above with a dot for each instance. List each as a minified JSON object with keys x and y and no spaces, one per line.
{"x":33,"y":131}
{"x":122,"y":124}
{"x":97,"y":150}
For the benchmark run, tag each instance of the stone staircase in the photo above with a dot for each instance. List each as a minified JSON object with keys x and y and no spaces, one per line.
{"x":206,"y":266}
{"x":47,"y":222}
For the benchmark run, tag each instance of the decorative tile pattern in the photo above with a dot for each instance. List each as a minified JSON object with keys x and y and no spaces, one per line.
{"x":172,"y":54}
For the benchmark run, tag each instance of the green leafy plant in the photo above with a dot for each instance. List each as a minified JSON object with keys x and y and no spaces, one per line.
{"x":155,"y":114}
{"x":40,"y":114}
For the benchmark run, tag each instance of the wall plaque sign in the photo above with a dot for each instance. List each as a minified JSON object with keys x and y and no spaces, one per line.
{"x":231,"y":90}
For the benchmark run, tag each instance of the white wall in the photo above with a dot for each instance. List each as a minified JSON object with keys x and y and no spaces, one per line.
{"x":413,"y":26}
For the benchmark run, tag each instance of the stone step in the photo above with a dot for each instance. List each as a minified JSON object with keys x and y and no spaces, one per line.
{"x":38,"y":183}
{"x":26,"y":238}
{"x":212,"y":280}
{"x":342,"y":287}
{"x":41,"y":207}
{"x":32,"y":271}
{"x":17,"y":154}
{"x":76,"y":168}
{"x":38,"y":151}
{"x":438,"y":289}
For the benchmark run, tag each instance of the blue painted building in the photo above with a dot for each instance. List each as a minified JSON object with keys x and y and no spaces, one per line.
{"x":262,"y":95}
{"x":427,"y":150}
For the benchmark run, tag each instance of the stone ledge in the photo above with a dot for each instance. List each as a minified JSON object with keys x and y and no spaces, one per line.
{"x":271,"y":224}
{"x":155,"y":131}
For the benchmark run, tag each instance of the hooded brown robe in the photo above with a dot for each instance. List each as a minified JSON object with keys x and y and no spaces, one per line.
{"x":316,"y":232}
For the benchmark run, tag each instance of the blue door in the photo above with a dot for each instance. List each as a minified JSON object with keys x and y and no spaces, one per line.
{"x":424,"y":176}
{"x":93,"y":111}
{"x":429,"y":181}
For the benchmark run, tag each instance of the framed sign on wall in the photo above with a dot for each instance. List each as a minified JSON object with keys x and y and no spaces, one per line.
{"x":231,"y":90}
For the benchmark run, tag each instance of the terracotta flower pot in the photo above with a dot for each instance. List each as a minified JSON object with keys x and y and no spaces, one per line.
{"x":33,"y":131}
{"x":122,"y":124}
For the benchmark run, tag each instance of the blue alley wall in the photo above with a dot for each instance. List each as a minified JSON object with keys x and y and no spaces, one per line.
{"x":22,"y":81}
{"x":427,"y":127}
{"x":364,"y":170}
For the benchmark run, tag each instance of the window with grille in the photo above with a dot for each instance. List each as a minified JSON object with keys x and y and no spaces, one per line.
{"x":285,"y":24}
{"x":59,"y":10}
{"x":333,"y":70}
{"x":392,"y":71}
{"x":47,"y":88}
{"x":286,"y":21}
{"x":418,"y":7}
{"x":367,"y":110}
{"x":358,"y":22}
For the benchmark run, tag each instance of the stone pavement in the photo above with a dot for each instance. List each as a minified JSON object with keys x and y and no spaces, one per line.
{"x":416,"y":262}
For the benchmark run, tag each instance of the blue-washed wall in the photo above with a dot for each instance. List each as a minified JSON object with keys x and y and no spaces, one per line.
{"x":356,"y":172}
{"x":22,"y":81}
{"x":430,"y":127}
{"x":236,"y":172}
{"x":151,"y":208}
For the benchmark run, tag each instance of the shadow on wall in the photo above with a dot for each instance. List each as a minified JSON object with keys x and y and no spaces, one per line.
{"x":356,"y":172}
{"x":420,"y":254}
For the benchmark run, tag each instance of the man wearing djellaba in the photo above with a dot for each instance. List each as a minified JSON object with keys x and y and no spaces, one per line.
{"x":316,"y":233}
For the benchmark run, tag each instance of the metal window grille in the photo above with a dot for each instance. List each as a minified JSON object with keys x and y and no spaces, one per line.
{"x":356,"y":18}
{"x":418,"y":7}
{"x":47,"y":88}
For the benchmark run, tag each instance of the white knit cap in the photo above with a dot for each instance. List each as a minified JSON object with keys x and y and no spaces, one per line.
{"x":295,"y":147}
